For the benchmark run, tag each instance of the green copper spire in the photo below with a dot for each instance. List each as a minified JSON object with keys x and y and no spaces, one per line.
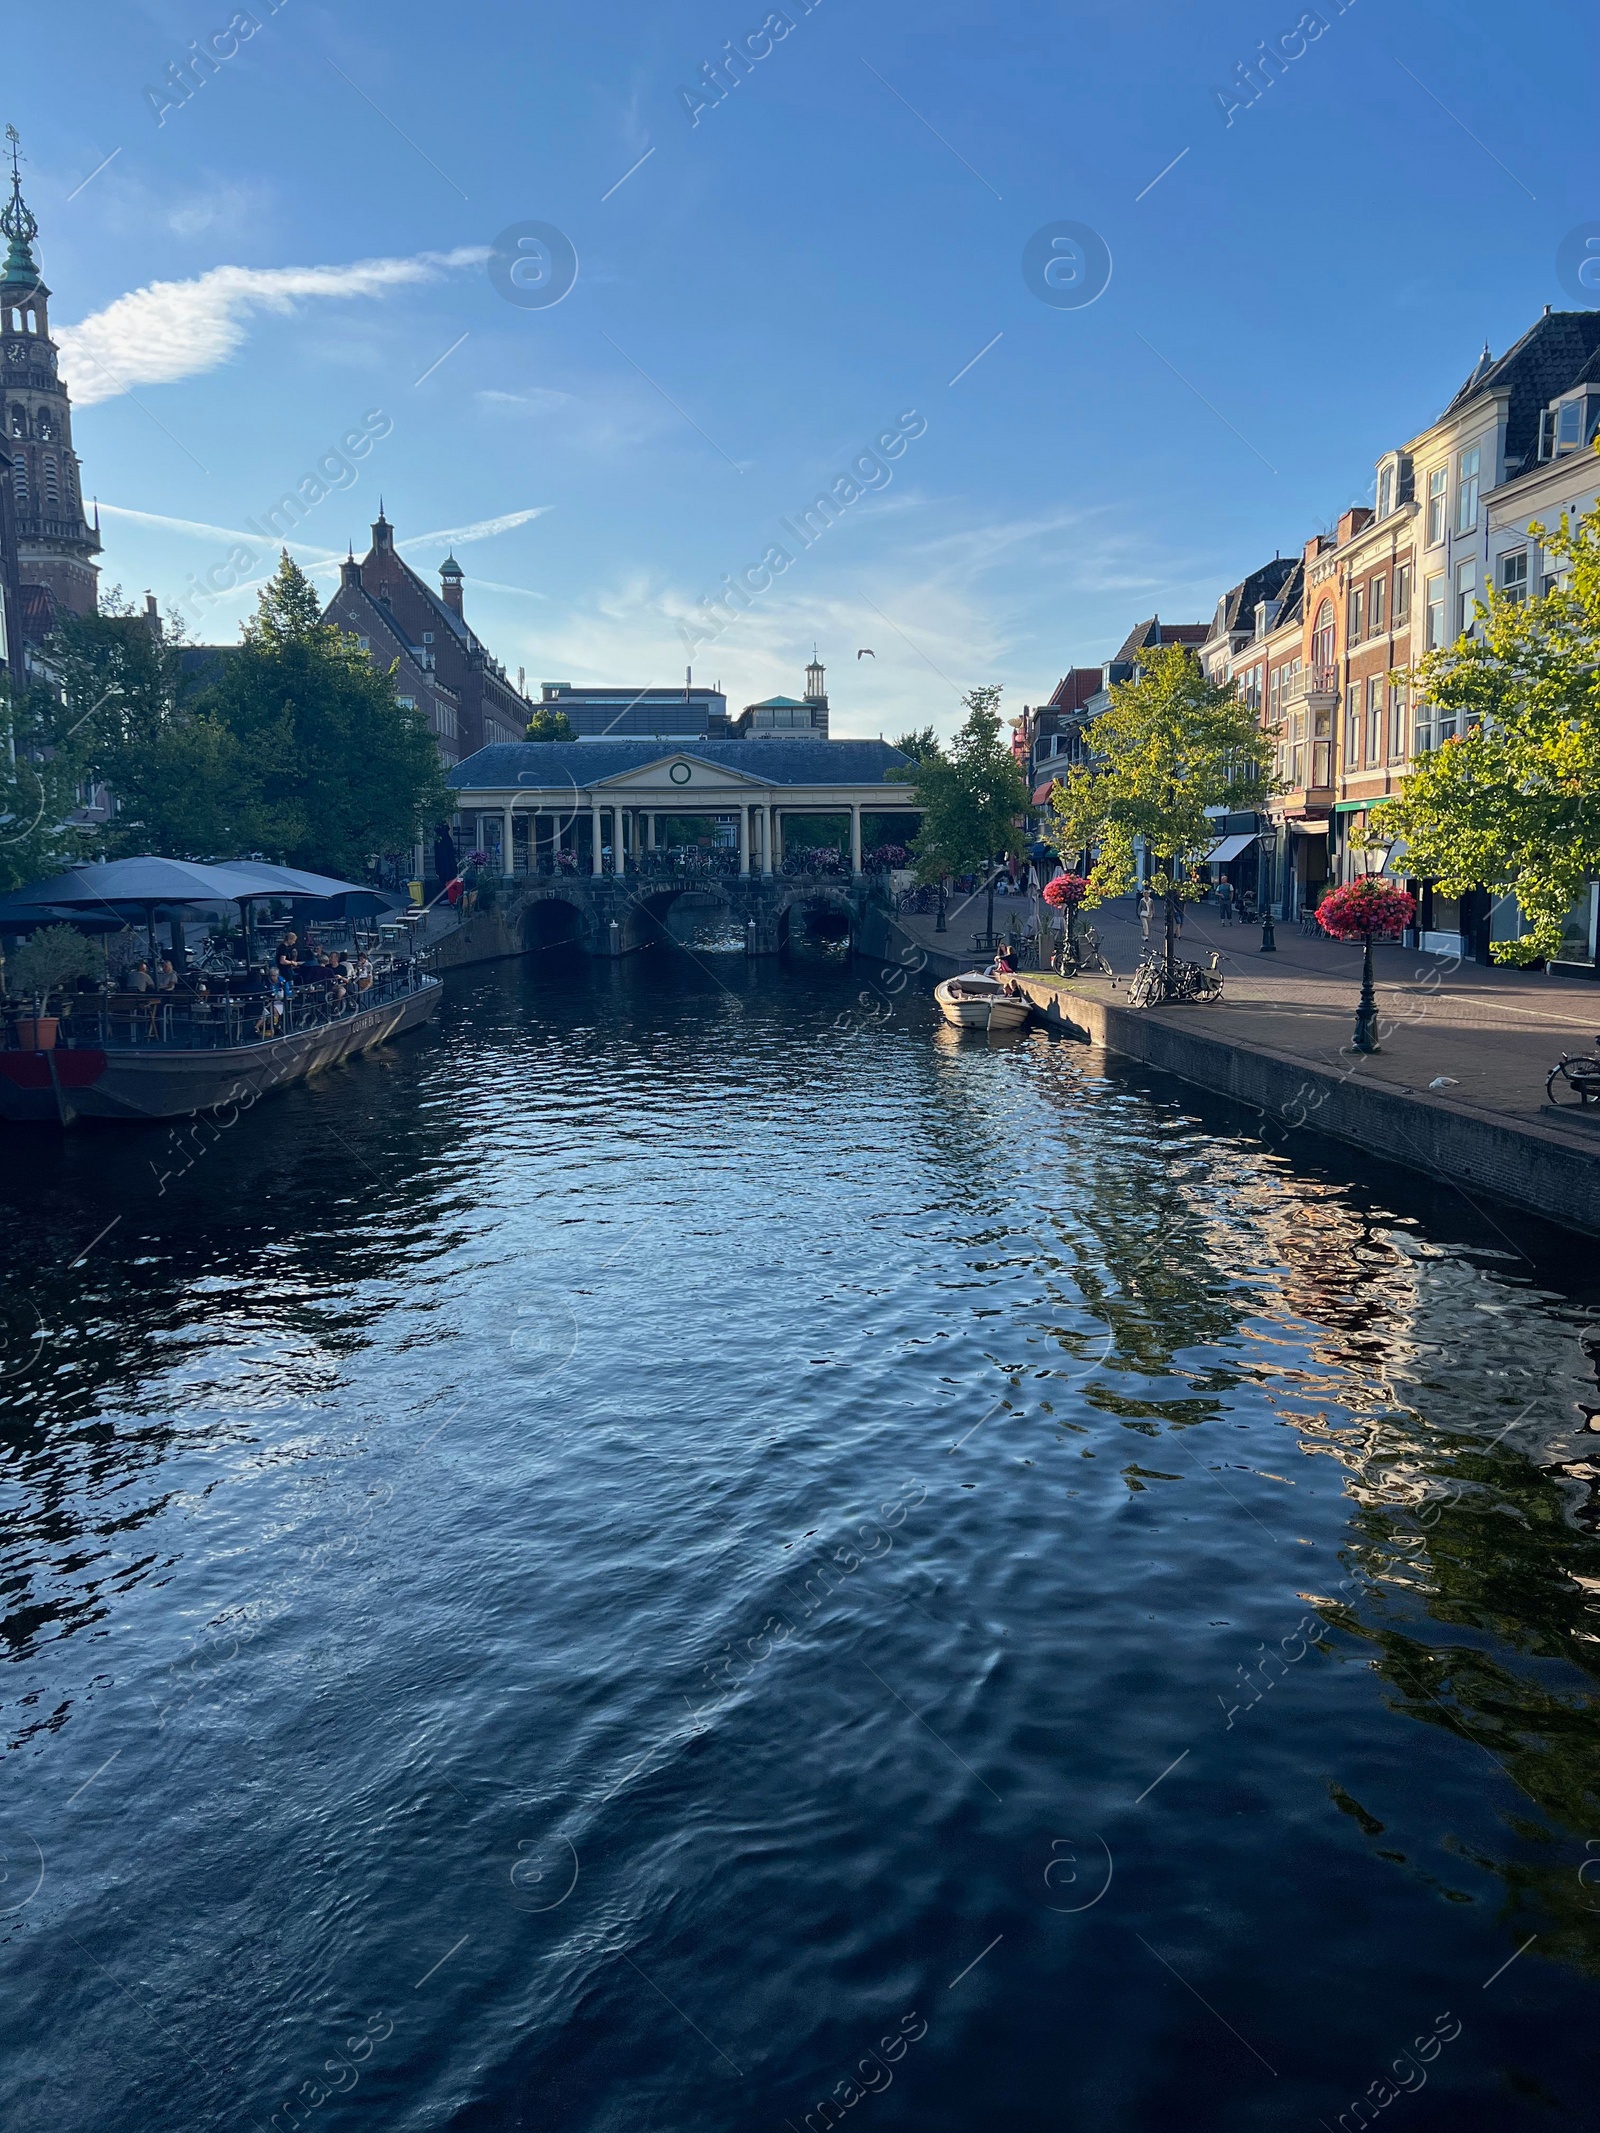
{"x":18,"y":223}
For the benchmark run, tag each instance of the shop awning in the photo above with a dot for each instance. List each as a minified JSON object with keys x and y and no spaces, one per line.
{"x":1227,"y":848}
{"x":1363,"y":807}
{"x":1041,"y":793}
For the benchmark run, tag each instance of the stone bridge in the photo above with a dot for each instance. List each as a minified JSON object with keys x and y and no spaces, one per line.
{"x":608,"y":916}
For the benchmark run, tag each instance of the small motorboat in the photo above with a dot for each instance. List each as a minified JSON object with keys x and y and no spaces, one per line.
{"x":974,"y":1000}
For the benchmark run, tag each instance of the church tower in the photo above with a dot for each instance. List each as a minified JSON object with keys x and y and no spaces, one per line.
{"x":55,"y":544}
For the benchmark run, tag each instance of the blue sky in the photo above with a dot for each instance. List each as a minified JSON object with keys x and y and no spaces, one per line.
{"x":778,"y":284}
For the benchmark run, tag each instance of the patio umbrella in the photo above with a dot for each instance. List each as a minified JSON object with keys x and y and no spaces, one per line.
{"x":147,"y":885}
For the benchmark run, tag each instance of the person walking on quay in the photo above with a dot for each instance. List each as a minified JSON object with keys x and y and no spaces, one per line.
{"x":1145,"y":908}
{"x":1225,"y":900}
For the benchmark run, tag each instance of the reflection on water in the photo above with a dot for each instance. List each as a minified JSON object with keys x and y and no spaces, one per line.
{"x":586,"y":1569}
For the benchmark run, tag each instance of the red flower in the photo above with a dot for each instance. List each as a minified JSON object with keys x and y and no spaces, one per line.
{"x":1066,"y":892}
{"x":1369,"y":905}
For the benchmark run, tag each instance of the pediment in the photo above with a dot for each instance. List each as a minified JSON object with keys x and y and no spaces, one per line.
{"x":677,"y":771}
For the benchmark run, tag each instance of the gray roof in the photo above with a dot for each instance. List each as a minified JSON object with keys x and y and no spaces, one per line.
{"x":1552,"y":356}
{"x":773,"y":762}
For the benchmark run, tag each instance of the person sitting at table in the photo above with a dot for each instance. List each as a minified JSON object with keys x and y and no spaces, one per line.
{"x":363,"y":974}
{"x":166,"y":976}
{"x":139,"y":978}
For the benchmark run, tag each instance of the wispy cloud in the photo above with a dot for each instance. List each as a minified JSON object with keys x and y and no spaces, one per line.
{"x":483,"y":529}
{"x":180,"y":329}
{"x":199,"y":528}
{"x":536,"y":400}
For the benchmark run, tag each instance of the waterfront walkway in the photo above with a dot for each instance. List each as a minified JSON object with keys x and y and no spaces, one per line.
{"x":1458,"y":1088}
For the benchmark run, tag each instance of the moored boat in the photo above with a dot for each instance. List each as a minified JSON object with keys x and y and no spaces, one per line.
{"x":974,"y":1000}
{"x":153,"y":1059}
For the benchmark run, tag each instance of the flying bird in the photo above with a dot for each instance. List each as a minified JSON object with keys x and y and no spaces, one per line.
{"x":866,"y":655}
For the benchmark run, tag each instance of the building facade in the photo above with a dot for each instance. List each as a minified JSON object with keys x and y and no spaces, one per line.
{"x":445,"y":667}
{"x":54,"y":545}
{"x":598,"y":807}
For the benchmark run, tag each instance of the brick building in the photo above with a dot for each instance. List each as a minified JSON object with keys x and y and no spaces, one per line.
{"x":444,"y":666}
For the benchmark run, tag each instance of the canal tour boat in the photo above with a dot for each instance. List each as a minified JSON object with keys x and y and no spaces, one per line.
{"x":148,"y":1056}
{"x":974,"y":1000}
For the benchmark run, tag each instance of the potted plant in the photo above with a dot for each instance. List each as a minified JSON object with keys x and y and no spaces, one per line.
{"x":48,"y":960}
{"x":1358,"y":911}
{"x":1065,"y":893}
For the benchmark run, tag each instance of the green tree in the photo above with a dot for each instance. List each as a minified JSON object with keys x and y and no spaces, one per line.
{"x":973,"y":799}
{"x":42,"y":763}
{"x":548,"y":725}
{"x":184,"y":785}
{"x":919,"y":746}
{"x":1171,"y":745}
{"x":342,"y":770}
{"x":1513,"y":803}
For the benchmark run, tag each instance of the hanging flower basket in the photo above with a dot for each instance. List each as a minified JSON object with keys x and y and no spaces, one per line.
{"x":1366,"y":909}
{"x":1066,"y":892}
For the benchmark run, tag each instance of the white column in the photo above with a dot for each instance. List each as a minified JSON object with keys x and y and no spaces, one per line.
{"x":650,"y":829}
{"x":774,"y":831}
{"x":594,"y":831}
{"x":508,"y":851}
{"x":744,"y":840}
{"x":855,"y":836}
{"x":619,"y":840}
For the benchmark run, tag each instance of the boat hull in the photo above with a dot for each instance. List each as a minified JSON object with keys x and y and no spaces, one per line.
{"x":137,"y":1082}
{"x":968,"y":1008}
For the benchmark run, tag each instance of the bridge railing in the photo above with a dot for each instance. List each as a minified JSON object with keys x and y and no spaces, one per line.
{"x":689,"y":862}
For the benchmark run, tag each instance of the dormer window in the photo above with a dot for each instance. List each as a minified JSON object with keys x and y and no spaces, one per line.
{"x":1568,"y":426}
{"x":1385,"y":490}
{"x":427,"y":636}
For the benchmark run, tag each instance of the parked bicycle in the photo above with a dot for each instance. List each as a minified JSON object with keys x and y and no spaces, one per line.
{"x":1574,"y":1083}
{"x":1081,"y":955}
{"x":1189,"y":982}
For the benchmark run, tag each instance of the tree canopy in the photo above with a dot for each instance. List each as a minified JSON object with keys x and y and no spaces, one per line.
{"x":1513,"y":802}
{"x":293,"y":744}
{"x":919,"y":746}
{"x":548,"y":725}
{"x":1171,"y":745}
{"x":973,"y":797}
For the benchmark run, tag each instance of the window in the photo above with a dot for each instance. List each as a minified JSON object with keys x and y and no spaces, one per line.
{"x":1402,"y":594}
{"x":1467,"y":490}
{"x":1357,"y":606}
{"x":1434,"y":592}
{"x":1385,"y":492}
{"x":1352,"y":726}
{"x":1397,"y":724}
{"x":1322,"y":643}
{"x":1466,"y":597}
{"x":1436,"y":488}
{"x":1377,"y":597}
{"x":1375,"y":719}
{"x":1569,"y":426}
{"x":1514,"y":575}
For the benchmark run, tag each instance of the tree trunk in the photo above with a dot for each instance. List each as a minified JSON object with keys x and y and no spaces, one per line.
{"x":1172,"y":928}
{"x":991,"y":911}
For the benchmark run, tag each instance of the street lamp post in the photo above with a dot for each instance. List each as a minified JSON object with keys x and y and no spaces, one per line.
{"x":1366,"y":1032}
{"x":1268,"y":842}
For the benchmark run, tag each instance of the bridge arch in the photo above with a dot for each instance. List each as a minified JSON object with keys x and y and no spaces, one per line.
{"x":815,"y":915}
{"x":552,"y":921}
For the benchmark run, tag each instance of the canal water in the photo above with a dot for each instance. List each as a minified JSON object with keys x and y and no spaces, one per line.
{"x":688,"y":1549}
